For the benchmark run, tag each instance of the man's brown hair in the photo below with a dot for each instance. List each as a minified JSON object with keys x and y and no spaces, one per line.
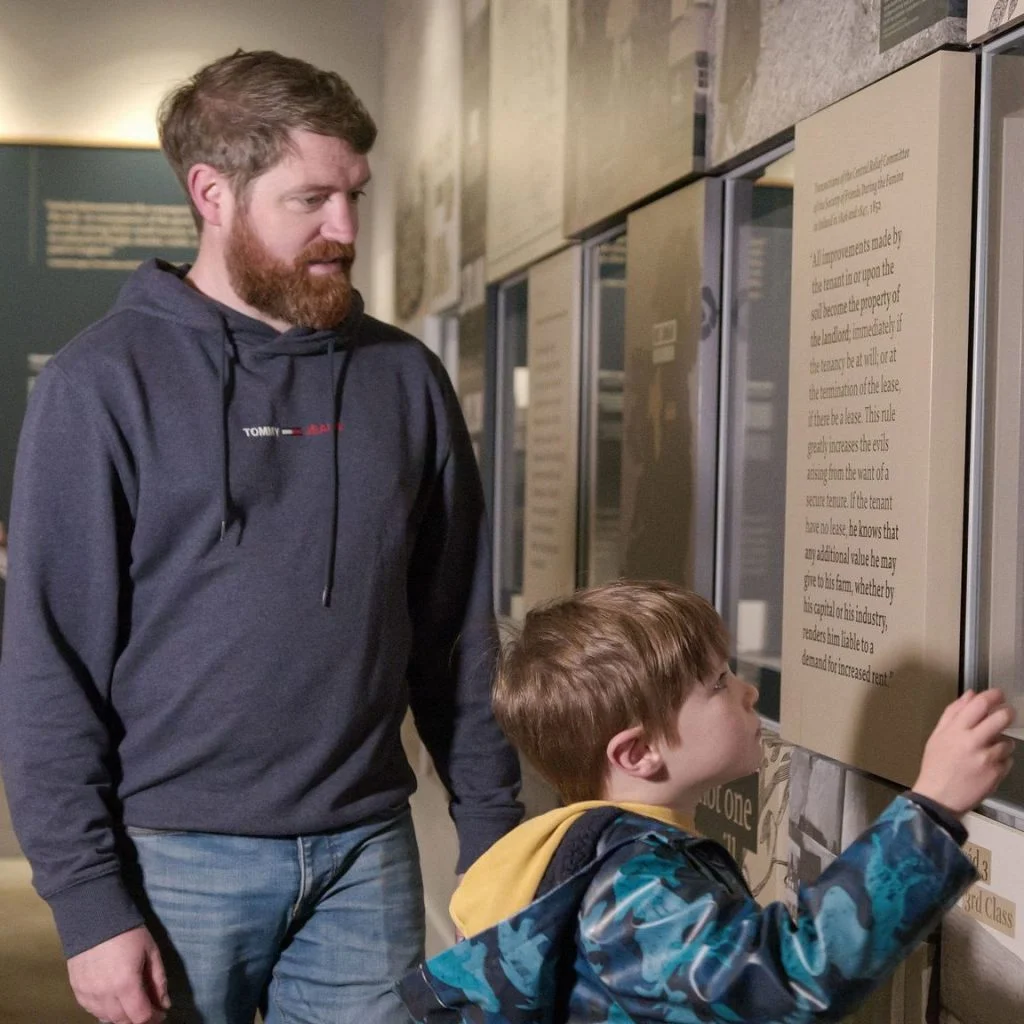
{"x":236,"y":115}
{"x":582,"y":668}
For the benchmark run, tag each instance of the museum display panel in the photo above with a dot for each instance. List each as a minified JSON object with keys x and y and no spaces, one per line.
{"x":994,"y":649}
{"x":670,"y":391}
{"x":552,"y":428}
{"x":424,"y":110}
{"x":512,"y":402}
{"x":638,"y":84}
{"x":604,"y":318}
{"x":877,"y":417}
{"x":755,"y":387}
{"x":526,"y":154}
{"x":76,"y":221}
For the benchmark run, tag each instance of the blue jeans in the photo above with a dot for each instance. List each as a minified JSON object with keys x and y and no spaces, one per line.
{"x":312,"y":930}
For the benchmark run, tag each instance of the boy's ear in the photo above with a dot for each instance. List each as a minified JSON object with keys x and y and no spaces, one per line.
{"x":630,"y":752}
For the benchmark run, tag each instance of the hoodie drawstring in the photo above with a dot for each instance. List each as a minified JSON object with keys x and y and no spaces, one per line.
{"x":335,"y":417}
{"x":332,"y":540}
{"x":225,"y":496}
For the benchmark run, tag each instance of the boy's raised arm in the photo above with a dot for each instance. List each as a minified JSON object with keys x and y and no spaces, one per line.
{"x":673,"y":939}
{"x":667,"y":936}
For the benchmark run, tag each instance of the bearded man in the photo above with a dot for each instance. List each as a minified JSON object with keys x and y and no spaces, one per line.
{"x":248,"y":533}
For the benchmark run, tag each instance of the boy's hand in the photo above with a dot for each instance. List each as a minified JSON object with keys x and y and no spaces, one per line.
{"x":965,"y":757}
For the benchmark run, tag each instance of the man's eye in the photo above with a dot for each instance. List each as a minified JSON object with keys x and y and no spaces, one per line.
{"x":356,"y":195}
{"x":312,"y":202}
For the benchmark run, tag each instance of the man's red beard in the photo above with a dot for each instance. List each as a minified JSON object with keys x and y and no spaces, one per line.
{"x":289,"y":292}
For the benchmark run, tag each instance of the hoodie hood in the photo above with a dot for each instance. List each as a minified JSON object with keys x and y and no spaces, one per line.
{"x":516,"y":969}
{"x":505,"y":879}
{"x":160,"y":289}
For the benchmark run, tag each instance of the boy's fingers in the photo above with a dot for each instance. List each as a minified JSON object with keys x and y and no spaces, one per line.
{"x":957,"y":707}
{"x":989,"y":727}
{"x":1005,"y":750}
{"x":978,"y":707}
{"x":950,"y":710}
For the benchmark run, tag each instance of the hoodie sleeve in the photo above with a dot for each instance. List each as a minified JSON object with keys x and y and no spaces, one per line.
{"x":663,"y":936}
{"x":453,"y":650}
{"x":69,"y":533}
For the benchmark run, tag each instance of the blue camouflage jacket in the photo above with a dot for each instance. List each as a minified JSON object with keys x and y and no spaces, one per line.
{"x":660,"y":926}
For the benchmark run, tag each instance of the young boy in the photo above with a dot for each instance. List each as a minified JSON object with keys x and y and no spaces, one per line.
{"x":612,"y":908}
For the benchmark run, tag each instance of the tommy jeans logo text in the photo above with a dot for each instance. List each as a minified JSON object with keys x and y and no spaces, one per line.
{"x":313,"y":430}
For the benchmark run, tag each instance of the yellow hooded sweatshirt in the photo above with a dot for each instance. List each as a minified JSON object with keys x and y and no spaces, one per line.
{"x":504,"y":880}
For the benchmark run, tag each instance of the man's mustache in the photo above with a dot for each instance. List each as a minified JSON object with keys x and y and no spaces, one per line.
{"x":323,"y":251}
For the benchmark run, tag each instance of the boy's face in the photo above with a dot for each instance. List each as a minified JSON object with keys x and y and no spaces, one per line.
{"x":719,"y":733}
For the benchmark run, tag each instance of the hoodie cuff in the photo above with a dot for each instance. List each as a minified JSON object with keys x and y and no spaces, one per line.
{"x":942,"y":816}
{"x":92,"y":912}
{"x":478,"y":834}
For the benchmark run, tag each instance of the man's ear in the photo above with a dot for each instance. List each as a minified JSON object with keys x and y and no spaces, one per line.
{"x":630,"y":752}
{"x":210,"y":192}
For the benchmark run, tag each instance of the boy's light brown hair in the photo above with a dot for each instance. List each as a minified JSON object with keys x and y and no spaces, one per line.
{"x":583,"y":668}
{"x":236,"y":115}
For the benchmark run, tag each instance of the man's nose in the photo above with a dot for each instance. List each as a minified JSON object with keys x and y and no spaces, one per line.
{"x":342,"y":222}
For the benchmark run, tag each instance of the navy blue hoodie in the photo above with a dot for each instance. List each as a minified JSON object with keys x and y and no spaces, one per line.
{"x":236,"y":558}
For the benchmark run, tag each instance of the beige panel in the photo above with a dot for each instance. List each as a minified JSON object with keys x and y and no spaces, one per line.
{"x":529,"y":47}
{"x":765,"y":869}
{"x":552,"y":429}
{"x":987,"y":17}
{"x":670,"y":389}
{"x":982,"y":982}
{"x":878,"y":377}
{"x":637,"y":98}
{"x":997,"y":899}
{"x":423,"y":76}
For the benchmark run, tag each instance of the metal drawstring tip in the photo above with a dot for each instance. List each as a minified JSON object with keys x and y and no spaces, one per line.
{"x":325,"y":597}
{"x":223,"y":528}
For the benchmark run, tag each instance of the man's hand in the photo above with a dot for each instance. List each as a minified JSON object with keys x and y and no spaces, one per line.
{"x":966,"y":756}
{"x":121,"y":980}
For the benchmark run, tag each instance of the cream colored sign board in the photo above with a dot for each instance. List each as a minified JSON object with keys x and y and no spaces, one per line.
{"x":423,"y":112}
{"x":552,"y":429}
{"x":986,"y":17}
{"x":876,"y":422}
{"x":997,"y":898}
{"x":526,"y":156}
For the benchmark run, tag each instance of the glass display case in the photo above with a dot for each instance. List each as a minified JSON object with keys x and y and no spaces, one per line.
{"x":600,"y":557}
{"x":994,"y":591}
{"x":758,"y":232}
{"x":512,"y":403}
